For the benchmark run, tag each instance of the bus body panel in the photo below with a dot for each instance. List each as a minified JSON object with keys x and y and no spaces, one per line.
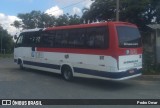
{"x":130,"y":62}
{"x":22,"y":53}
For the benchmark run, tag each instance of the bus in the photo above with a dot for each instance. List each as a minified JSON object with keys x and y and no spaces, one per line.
{"x":109,"y":50}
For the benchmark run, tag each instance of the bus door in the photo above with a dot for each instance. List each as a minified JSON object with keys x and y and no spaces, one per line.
{"x":22,"y":49}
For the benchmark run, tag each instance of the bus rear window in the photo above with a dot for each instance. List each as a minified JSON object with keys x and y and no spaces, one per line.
{"x":129,"y":37}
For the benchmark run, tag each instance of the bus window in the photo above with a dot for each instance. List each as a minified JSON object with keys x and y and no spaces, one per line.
{"x":46,"y":39}
{"x":129,"y":37}
{"x":19,"y":41}
{"x":97,"y":37}
{"x":37,"y":38}
{"x":24,"y":40}
{"x":77,"y":38}
{"x":61,"y":38}
{"x":30,"y":39}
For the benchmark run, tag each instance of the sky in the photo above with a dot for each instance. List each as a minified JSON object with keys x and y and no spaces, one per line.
{"x":9,"y":9}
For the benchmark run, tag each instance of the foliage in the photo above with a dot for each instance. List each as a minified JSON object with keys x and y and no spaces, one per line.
{"x":74,"y":19}
{"x":17,"y":24}
{"x":7,"y":41}
{"x":140,"y":12}
{"x":147,"y":61}
{"x":100,"y":10}
{"x":38,"y":19}
{"x":149,"y":67}
{"x":35,"y":19}
{"x":67,"y":19}
{"x":62,"y":20}
{"x":6,"y":56}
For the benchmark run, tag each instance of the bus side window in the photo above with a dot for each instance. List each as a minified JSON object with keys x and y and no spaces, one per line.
{"x":36,"y":38}
{"x":90,"y":41}
{"x":100,"y":38}
{"x":72,"y":38}
{"x":61,"y":39}
{"x":52,"y":35}
{"x":31,"y":39}
{"x":97,"y":38}
{"x":64,"y":41}
{"x":76,"y":38}
{"x":80,"y":38}
{"x":46,"y":39}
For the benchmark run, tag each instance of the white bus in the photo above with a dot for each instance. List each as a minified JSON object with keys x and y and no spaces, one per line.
{"x":110,"y":50}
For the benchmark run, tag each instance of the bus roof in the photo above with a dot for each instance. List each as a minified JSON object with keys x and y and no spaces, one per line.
{"x":77,"y":26}
{"x":87,"y":25}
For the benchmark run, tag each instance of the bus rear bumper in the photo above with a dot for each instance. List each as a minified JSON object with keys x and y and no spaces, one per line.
{"x":128,"y":74}
{"x":128,"y":77}
{"x":110,"y":75}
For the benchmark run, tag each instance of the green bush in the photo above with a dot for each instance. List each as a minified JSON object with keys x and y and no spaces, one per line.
{"x":149,"y":66}
{"x":6,"y":55}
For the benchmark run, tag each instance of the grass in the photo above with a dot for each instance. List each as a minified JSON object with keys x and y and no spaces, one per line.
{"x":6,"y":55}
{"x":151,"y":70}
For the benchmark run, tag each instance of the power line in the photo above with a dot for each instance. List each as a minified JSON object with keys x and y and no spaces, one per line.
{"x":69,"y":6}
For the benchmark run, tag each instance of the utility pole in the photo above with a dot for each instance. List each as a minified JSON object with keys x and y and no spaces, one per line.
{"x":1,"y":42}
{"x":117,"y":10}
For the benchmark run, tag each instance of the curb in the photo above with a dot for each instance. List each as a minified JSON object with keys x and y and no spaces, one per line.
{"x":149,"y":77}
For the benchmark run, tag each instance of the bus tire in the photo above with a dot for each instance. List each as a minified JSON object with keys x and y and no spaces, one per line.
{"x":20,"y":64}
{"x":67,"y":73}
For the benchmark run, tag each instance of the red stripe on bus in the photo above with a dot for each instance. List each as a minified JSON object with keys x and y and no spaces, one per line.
{"x":77,"y":51}
{"x":106,"y":52}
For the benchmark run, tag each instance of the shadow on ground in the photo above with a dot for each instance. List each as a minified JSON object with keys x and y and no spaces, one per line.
{"x":89,"y":82}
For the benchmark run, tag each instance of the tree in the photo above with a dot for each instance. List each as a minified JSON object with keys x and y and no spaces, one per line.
{"x":152,"y":11}
{"x":67,"y":19}
{"x":62,"y":20}
{"x":35,"y":19}
{"x":74,"y":19}
{"x":17,"y":24}
{"x":38,"y":19}
{"x":100,"y":10}
{"x":141,"y":12}
{"x":7,"y":41}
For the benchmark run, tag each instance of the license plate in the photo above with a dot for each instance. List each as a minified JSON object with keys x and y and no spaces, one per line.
{"x":131,"y":71}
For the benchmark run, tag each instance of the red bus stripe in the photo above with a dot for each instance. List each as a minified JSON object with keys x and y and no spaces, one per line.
{"x":77,"y":51}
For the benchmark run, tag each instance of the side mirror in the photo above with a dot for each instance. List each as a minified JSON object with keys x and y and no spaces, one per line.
{"x":15,"y":37}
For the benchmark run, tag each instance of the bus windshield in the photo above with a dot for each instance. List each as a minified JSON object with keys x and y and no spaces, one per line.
{"x":129,"y":37}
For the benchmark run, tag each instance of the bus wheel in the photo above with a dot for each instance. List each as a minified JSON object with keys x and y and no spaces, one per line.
{"x":21,"y":65}
{"x":67,"y":73}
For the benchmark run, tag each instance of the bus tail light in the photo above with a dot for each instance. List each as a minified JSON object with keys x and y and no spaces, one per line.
{"x":131,"y":51}
{"x":127,"y":52}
